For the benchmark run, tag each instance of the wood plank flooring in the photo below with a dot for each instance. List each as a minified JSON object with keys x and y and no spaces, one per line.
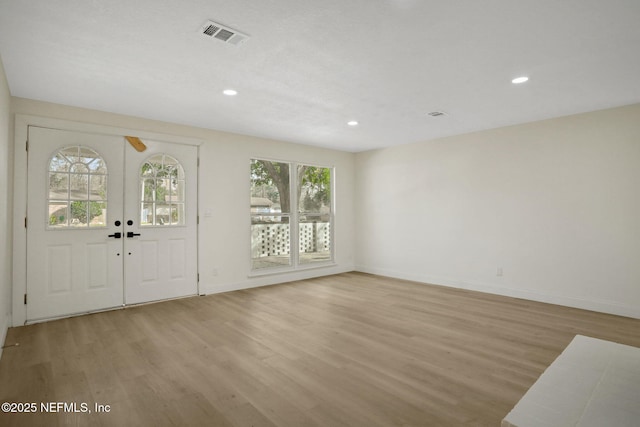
{"x":346,"y":350}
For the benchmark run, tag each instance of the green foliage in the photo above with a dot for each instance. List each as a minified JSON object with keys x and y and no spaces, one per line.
{"x":259,"y":173}
{"x":154,"y":184}
{"x":79,"y":211}
{"x":319,"y":177}
{"x":271,"y":180}
{"x":316,"y":188}
{"x":56,"y":219}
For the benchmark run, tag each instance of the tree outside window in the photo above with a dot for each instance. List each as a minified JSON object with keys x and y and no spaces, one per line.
{"x":273,"y":240}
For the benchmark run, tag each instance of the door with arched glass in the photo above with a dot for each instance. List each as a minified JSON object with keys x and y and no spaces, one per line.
{"x":96,"y":240}
{"x":162,"y":237}
{"x":75,"y":199}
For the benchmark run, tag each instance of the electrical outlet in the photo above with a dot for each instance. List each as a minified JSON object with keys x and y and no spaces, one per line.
{"x":499,"y":272}
{"x":214,"y":271}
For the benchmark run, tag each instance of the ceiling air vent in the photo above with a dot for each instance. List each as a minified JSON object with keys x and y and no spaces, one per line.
{"x":225,"y":34}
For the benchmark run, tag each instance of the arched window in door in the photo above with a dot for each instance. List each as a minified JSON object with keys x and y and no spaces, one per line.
{"x":77,"y":196}
{"x":162,"y":192}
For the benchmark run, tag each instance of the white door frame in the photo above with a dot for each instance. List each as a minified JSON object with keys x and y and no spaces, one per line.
{"x":21,"y":128}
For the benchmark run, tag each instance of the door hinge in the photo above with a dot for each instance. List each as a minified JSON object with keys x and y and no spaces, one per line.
{"x":198,"y":278}
{"x":26,"y":145}
{"x":198,"y":161}
{"x":25,"y":299}
{"x":198,"y":219}
{"x":25,"y":222}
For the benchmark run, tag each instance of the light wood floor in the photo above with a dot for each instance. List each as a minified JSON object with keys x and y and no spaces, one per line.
{"x":346,"y":350}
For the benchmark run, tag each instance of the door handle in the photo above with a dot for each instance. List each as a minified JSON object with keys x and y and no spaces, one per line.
{"x":116,"y":235}
{"x":130,"y":234}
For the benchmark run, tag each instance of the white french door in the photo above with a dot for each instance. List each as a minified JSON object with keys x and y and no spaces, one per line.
{"x":72,"y":265}
{"x":161,"y":224}
{"x":101,"y":232}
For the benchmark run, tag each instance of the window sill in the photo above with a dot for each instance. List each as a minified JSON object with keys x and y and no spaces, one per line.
{"x":274,"y":271}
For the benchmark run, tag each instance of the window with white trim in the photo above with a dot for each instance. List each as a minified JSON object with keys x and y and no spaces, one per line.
{"x":77,"y":195}
{"x":290,"y":229}
{"x":162,"y":192}
{"x":314,"y":214}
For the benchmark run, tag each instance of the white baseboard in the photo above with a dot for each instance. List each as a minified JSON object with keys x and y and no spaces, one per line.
{"x":258,"y":281}
{"x":603,"y":306}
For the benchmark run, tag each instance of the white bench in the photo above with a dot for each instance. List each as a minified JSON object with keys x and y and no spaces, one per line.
{"x":593,"y":383}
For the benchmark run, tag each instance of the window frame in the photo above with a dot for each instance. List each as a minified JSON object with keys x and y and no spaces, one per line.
{"x":68,"y":200}
{"x":294,"y":222}
{"x":141,"y":188}
{"x":331,"y":222}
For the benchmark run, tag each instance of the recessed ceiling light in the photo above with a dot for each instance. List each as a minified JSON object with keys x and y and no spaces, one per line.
{"x":352,"y":123}
{"x":519,"y":80}
{"x":230,"y":92}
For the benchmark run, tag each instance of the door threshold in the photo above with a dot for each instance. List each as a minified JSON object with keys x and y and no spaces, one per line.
{"x":120,"y":307}
{"x":140,"y":304}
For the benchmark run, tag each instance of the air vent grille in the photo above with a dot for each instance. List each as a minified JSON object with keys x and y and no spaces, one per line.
{"x":224,"y":35}
{"x":220,"y":32}
{"x":210,"y":30}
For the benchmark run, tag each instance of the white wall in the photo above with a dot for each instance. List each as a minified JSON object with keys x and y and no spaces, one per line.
{"x":224,"y":237}
{"x":555,"y":204}
{"x":5,"y":206}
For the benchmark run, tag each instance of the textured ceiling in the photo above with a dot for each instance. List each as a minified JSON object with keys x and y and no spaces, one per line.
{"x":310,"y":66}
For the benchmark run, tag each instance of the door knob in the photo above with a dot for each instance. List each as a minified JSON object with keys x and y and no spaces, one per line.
{"x":130,"y":234}
{"x":116,"y":235}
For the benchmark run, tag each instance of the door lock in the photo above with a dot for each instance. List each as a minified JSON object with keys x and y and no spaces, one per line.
{"x":116,"y":235}
{"x":130,"y":234}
